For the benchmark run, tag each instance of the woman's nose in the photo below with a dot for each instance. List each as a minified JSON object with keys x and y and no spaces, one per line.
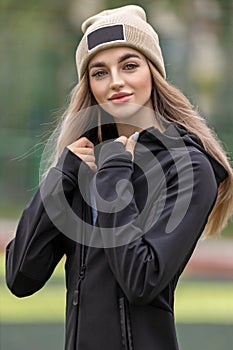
{"x":116,"y":81}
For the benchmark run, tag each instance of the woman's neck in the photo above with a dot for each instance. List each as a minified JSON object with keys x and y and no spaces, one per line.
{"x":127,"y":127}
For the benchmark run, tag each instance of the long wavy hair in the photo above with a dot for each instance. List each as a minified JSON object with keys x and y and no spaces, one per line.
{"x":169,"y":104}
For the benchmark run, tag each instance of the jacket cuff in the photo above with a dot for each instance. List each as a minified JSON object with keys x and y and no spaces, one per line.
{"x":71,"y":165}
{"x":114,"y":152}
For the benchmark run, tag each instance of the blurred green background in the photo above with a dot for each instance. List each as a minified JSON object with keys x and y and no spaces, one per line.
{"x":37,"y":72}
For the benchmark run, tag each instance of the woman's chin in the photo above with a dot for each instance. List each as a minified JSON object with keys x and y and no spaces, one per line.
{"x":121,"y":111}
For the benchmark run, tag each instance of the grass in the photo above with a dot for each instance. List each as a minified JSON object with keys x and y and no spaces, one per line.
{"x":47,"y":305}
{"x":204,"y":302}
{"x":196,"y":301}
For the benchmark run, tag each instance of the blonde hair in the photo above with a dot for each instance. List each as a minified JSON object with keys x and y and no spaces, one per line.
{"x":70,"y":126}
{"x":169,"y":103}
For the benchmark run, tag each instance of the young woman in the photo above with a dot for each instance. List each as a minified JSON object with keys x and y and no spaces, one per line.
{"x":137,"y":177}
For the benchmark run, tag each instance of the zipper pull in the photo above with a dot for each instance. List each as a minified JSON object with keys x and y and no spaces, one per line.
{"x":75,"y":297}
{"x":76,"y":291}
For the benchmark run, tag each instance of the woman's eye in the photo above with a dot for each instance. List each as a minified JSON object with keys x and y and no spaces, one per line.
{"x":130,"y":66}
{"x":98,"y":74}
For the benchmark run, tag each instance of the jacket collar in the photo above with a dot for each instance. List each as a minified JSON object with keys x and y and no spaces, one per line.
{"x":175,"y":136}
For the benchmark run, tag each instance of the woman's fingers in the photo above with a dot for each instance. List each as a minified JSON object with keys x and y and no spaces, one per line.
{"x":92,"y":165}
{"x":122,"y":139}
{"x":84,"y":149}
{"x":130,"y":142}
{"x":83,"y":142}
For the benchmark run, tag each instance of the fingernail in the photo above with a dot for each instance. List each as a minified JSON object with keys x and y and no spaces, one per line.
{"x":136,"y":136}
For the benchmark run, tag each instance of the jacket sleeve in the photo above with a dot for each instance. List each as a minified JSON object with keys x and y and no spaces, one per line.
{"x":150,"y":258}
{"x":38,"y":244}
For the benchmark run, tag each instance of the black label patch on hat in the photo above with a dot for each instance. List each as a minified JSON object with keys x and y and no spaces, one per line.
{"x":105,"y":35}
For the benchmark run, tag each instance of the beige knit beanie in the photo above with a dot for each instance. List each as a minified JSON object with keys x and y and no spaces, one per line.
{"x":123,"y":26}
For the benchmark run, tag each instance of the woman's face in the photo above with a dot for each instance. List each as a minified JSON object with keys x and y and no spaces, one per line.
{"x":120,"y":81}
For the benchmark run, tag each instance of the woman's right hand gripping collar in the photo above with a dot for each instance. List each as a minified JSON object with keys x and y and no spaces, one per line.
{"x":84,"y":149}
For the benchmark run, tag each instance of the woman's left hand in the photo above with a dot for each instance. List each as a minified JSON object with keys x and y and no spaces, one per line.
{"x":129,"y":143}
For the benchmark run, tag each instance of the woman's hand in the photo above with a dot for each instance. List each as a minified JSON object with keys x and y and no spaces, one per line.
{"x":84,"y":149}
{"x":129,"y":143}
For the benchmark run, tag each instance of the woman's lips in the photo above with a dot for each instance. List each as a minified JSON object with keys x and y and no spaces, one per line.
{"x":120,"y":97}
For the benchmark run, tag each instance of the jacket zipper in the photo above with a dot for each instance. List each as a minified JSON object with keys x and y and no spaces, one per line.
{"x":82,"y":269}
{"x":76,"y":294}
{"x":126,"y":333}
{"x":80,"y":277}
{"x":77,"y":289}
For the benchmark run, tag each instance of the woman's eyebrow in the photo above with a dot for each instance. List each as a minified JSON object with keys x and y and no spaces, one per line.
{"x":97,"y":64}
{"x":127,"y":56}
{"x":121,"y":59}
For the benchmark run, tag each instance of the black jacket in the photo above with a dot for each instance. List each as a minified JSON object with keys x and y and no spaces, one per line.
{"x":121,"y":279}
